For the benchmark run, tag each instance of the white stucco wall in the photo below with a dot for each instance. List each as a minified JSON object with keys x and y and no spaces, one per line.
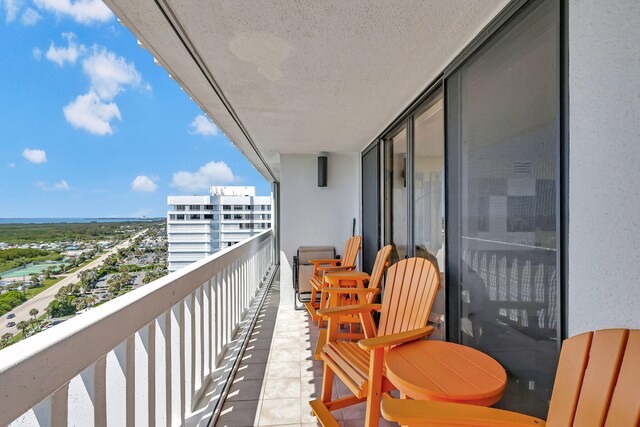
{"x":604,"y":187}
{"x":311,"y":215}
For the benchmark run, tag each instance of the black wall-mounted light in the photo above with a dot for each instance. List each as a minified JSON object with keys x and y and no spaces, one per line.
{"x":322,"y":171}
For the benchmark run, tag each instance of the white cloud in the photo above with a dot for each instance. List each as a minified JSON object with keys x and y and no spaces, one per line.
{"x":70,"y":54}
{"x":61,"y":185}
{"x":12,"y":7}
{"x":34,"y":155}
{"x":201,"y":125}
{"x":30,"y":17}
{"x":82,"y":11}
{"x":92,"y":114}
{"x":213,"y":173}
{"x":109,"y":73}
{"x":144,"y":184}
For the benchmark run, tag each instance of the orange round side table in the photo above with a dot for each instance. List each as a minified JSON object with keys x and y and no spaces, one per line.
{"x":445,"y":372}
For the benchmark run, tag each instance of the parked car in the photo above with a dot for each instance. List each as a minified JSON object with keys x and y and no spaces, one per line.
{"x":10,"y":316}
{"x":11,"y":324}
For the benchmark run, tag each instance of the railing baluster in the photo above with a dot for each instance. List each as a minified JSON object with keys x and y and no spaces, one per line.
{"x":227,"y":309}
{"x":210,"y":331}
{"x":215,"y":289}
{"x":162,"y":376}
{"x":130,"y":378}
{"x":205,"y":330}
{"x":177,"y":367}
{"x":196,"y":344}
{"x":142,"y":382}
{"x":60,"y":407}
{"x":185,"y":359}
{"x":100,"y":392}
{"x":116,"y":379}
{"x":234,"y":297}
{"x":151,"y":372}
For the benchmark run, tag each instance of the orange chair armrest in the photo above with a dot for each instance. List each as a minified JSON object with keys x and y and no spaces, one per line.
{"x":417,"y":413}
{"x":363,"y":291}
{"x":317,"y":262}
{"x":348,"y":309}
{"x":330,"y":268}
{"x":395,"y":339}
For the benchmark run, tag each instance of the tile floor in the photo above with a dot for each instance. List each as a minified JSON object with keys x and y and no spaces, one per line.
{"x":278,"y":374}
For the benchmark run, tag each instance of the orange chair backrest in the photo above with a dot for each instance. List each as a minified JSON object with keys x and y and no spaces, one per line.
{"x":351,"y":251}
{"x":410,"y":289}
{"x":598,"y":380}
{"x":379,"y":265}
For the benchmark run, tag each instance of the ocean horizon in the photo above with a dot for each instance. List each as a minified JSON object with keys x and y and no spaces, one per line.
{"x":71,"y":220}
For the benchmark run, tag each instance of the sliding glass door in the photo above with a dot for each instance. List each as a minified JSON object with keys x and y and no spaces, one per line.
{"x":428,"y":195}
{"x":503,"y":145}
{"x":500,"y":251}
{"x":396,"y":207}
{"x":370,"y":206}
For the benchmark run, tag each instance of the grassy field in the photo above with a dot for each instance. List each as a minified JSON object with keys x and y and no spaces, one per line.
{"x":69,"y":232}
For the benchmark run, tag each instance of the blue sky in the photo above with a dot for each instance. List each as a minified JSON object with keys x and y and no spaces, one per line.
{"x":91,"y":127}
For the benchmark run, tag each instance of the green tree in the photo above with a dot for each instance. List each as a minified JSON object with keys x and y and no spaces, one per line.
{"x":62,"y":293}
{"x":34,"y":313}
{"x":91,"y":300}
{"x":57,"y":308}
{"x":22,"y":325}
{"x":153,"y":275}
{"x":88,"y":277}
{"x":11,"y":299}
{"x":81,"y":303}
{"x":115,"y":284}
{"x":5,"y":338}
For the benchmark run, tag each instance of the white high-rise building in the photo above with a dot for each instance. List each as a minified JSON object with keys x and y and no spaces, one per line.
{"x":198,"y":226}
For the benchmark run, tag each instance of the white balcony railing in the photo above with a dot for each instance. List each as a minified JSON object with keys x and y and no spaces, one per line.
{"x":143,"y":358}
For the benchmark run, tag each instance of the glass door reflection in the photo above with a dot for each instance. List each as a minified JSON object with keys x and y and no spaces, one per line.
{"x":428,"y":195}
{"x":396,"y":193}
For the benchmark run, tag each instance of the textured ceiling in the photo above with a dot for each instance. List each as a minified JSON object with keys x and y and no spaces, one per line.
{"x":304,"y":76}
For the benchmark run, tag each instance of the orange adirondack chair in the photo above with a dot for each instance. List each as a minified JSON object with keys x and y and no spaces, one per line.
{"x":410,"y":289}
{"x":335,"y":297}
{"x":597,"y":384}
{"x":322,"y":266}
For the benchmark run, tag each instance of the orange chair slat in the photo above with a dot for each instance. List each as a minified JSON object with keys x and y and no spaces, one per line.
{"x":378,"y":270}
{"x":351,"y":251}
{"x":391,"y":300}
{"x":359,"y":358}
{"x":429,"y":291}
{"x":625,"y":403}
{"x":605,"y":355}
{"x":424,"y":296}
{"x":339,"y":359}
{"x":409,"y":314}
{"x":571,"y":367}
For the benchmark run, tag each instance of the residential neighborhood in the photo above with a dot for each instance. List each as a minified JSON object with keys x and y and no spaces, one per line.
{"x":77,"y":276}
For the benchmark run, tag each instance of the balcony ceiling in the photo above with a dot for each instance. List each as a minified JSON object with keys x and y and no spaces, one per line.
{"x":303,"y":76}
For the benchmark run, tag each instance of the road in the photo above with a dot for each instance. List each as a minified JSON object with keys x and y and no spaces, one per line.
{"x":42,"y":300}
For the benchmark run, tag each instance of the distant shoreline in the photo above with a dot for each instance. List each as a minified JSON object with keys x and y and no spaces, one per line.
{"x":72,"y":220}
